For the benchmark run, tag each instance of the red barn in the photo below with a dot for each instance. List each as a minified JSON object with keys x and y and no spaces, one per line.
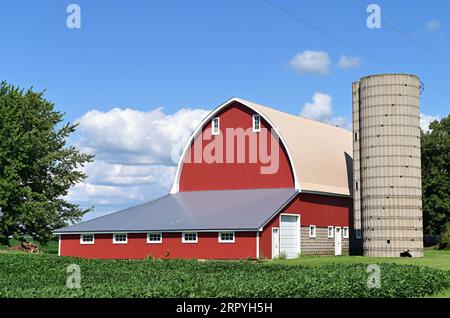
{"x":252,"y":182}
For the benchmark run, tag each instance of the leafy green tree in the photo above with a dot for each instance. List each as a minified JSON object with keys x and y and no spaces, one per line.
{"x":37,"y":168}
{"x":436,"y":176}
{"x":444,"y":241}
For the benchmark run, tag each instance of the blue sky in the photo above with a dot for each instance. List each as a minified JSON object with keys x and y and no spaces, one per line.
{"x":189,"y":56}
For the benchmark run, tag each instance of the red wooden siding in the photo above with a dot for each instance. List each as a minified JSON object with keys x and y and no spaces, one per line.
{"x":231,"y":176}
{"x":207,"y":247}
{"x":314,"y":209}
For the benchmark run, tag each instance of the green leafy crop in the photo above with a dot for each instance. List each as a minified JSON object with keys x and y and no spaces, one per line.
{"x":45,"y":276}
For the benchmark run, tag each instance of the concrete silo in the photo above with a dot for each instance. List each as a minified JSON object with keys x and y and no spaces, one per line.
{"x":386,"y":165}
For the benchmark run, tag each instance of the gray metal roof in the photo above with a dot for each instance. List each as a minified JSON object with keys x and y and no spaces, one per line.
{"x":198,"y":210}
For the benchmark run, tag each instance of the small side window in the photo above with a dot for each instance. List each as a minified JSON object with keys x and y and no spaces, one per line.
{"x":226,"y":237}
{"x":154,"y":238}
{"x":120,"y":238}
{"x":345,"y":232}
{"x":312,"y":231}
{"x":189,"y":237}
{"x":256,"y":123}
{"x":358,"y":234}
{"x":87,"y":239}
{"x":330,"y":232}
{"x":215,"y":126}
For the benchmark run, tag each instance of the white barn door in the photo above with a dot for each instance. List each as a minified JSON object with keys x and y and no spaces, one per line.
{"x":337,"y":241}
{"x":289,"y":235}
{"x":275,"y":242}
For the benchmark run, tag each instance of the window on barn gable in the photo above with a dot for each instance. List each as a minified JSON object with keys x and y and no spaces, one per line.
{"x":256,"y":123}
{"x":120,"y":238}
{"x":312,"y":231}
{"x":87,"y":239}
{"x":226,"y":237}
{"x":215,"y":124}
{"x":330,"y":232}
{"x":189,"y":237}
{"x":154,"y":237}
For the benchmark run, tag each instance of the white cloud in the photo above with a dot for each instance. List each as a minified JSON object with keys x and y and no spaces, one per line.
{"x":434,"y":28}
{"x":136,"y":153}
{"x":137,"y":137}
{"x":88,"y":194}
{"x":426,"y":120}
{"x":122,"y":175}
{"x":432,"y":25}
{"x":321,"y":109}
{"x":349,"y":62}
{"x":311,"y":62}
{"x":339,"y":121}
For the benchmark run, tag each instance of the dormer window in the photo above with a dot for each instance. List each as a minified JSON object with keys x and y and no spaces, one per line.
{"x":256,"y":123}
{"x":215,"y":124}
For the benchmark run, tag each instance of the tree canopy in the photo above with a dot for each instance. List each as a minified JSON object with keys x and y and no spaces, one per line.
{"x":436,"y":176}
{"x":37,"y":168}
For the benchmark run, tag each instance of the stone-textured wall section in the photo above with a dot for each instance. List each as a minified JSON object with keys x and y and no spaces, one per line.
{"x":321,"y":244}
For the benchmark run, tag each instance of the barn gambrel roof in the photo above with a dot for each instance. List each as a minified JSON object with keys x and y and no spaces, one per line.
{"x":320,"y":154}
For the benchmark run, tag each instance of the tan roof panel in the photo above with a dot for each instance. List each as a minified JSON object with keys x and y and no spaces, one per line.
{"x":321,"y":153}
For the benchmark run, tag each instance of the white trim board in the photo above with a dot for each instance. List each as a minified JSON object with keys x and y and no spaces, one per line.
{"x":257,"y":244}
{"x":159,"y":231}
{"x":59,"y":245}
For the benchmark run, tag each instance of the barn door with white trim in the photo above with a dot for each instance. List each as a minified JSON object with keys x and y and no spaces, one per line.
{"x":337,"y":241}
{"x":289,"y":235}
{"x":275,"y":242}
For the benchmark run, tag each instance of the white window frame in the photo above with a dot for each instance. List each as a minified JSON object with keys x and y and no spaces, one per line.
{"x":330,"y":234}
{"x":87,"y":243}
{"x":120,"y":242}
{"x":227,"y":241}
{"x":213,"y":132}
{"x":254,"y":116}
{"x":312,"y":235}
{"x":183,"y":240}
{"x":345,"y":232}
{"x":155,"y":233}
{"x":358,"y":234}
